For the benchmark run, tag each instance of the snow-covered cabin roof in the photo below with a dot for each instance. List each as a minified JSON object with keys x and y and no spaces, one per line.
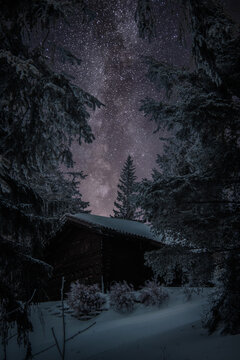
{"x":120,"y":225}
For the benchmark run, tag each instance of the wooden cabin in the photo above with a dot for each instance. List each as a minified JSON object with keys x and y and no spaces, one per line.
{"x":97,"y":249}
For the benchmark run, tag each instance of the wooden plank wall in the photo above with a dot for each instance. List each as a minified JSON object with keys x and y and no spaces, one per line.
{"x":92,"y":255}
{"x":75,"y":254}
{"x":123,"y":259}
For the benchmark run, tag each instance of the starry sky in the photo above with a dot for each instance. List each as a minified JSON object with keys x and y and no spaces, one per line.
{"x":112,"y":69}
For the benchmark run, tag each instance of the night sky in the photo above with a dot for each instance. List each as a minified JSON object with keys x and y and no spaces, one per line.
{"x":112,"y":69}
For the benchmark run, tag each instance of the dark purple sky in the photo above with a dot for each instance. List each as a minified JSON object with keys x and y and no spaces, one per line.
{"x":112,"y":70}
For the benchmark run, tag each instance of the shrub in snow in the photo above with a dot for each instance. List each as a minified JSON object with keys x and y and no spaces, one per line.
{"x":85,"y":298}
{"x":153,"y":294}
{"x":122,"y":297}
{"x":190,"y":291}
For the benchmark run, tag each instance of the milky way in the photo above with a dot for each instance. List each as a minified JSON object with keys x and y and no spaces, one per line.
{"x":112,"y":69}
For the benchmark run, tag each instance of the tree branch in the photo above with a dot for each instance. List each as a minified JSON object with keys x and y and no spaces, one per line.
{"x":56,"y":343}
{"x":20,"y":307}
{"x":63,"y":320}
{"x":68,"y":339}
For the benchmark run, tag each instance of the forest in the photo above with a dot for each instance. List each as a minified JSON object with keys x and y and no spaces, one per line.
{"x":193,"y":194}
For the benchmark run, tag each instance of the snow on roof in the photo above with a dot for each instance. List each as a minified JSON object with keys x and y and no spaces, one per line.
{"x":119,"y":225}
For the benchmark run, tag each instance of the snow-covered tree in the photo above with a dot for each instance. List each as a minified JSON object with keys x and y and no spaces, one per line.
{"x":194,"y":195}
{"x":42,"y":113}
{"x":125,"y":205}
{"x":144,"y":17}
{"x":178,"y":265}
{"x":224,"y":307}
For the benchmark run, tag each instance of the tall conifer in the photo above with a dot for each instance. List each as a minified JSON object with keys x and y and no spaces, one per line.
{"x":42,"y":113}
{"x":195,"y":194}
{"x":125,"y":205}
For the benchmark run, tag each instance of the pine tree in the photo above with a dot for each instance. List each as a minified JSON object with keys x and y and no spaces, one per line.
{"x":126,"y":196}
{"x":42,"y":113}
{"x":194,"y":196}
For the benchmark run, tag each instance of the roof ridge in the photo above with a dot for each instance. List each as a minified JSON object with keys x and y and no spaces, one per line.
{"x":135,"y":228}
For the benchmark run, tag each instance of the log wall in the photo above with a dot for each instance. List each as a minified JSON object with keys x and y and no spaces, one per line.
{"x":76,"y":254}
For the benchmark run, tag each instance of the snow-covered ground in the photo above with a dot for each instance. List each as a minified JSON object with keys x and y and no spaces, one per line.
{"x":172,"y":332}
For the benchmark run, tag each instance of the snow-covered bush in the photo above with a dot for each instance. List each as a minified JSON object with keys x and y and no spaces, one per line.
{"x":153,"y":294}
{"x":189,"y":291}
{"x":122,"y":297}
{"x":85,"y":298}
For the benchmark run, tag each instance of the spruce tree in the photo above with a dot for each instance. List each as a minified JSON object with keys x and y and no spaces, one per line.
{"x":125,"y":205}
{"x":42,"y":112}
{"x":194,"y":195}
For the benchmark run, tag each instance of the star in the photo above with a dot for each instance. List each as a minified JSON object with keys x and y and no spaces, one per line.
{"x":112,"y":69}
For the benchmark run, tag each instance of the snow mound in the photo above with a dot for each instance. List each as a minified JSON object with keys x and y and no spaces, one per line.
{"x":170,"y":332}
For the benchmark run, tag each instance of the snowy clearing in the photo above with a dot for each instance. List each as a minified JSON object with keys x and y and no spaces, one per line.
{"x":171,"y":332}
